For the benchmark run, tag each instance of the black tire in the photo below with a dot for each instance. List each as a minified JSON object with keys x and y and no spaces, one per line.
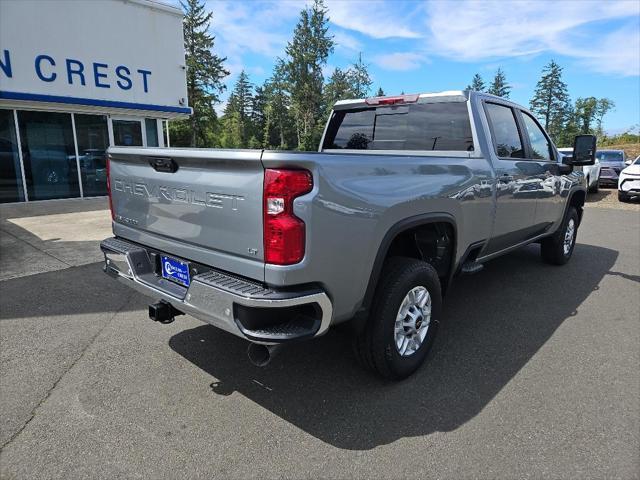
{"x":553,"y":248}
{"x":593,"y":189}
{"x":375,"y":347}
{"x":622,"y":197}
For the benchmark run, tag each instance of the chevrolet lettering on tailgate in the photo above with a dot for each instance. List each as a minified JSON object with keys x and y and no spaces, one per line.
{"x":177,"y":194}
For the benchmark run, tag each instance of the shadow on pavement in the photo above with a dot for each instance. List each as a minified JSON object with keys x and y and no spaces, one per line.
{"x":494,"y":323}
{"x":70,"y":291}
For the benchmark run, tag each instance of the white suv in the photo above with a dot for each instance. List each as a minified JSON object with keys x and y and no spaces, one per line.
{"x":629,"y":181}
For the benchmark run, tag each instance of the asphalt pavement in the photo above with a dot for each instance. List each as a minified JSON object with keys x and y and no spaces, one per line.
{"x":535,"y":373}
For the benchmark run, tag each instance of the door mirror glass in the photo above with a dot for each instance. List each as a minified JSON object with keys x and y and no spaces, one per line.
{"x":584,"y":150}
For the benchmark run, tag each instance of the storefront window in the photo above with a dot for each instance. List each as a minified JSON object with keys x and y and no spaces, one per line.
{"x":151,"y":126}
{"x":93,"y":140}
{"x":127,"y":133}
{"x":49,"y":155}
{"x":10,"y":175}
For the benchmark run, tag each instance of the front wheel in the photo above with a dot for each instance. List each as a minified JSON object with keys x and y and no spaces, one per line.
{"x":403,"y":322}
{"x":622,"y":197}
{"x":593,"y":188}
{"x":558,"y":248}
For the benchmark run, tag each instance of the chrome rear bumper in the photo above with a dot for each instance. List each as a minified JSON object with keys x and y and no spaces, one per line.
{"x":224,"y":300}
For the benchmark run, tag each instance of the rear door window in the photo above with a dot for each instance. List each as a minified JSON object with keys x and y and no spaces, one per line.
{"x":504,"y":129}
{"x":422,"y":126}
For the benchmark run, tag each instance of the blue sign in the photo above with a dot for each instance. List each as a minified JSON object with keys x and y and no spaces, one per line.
{"x":75,"y":72}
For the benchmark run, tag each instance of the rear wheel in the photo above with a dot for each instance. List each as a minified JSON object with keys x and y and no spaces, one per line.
{"x":593,"y":188}
{"x":558,"y":248}
{"x":403,"y":321}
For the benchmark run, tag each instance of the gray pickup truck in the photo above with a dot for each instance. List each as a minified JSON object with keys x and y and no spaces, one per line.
{"x":404,"y":194}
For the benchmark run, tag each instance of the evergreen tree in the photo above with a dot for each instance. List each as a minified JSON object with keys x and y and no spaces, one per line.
{"x":339,"y":87}
{"x":477,"y":84}
{"x":238,"y":114}
{"x":205,"y":72}
{"x":277,"y":130}
{"x":307,"y":53}
{"x":359,"y":78}
{"x":380,"y":92}
{"x":231,"y":135}
{"x":257,"y":119}
{"x":550,"y":100}
{"x":499,"y":86}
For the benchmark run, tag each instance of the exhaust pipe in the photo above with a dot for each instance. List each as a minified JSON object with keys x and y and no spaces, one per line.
{"x":261,"y":355}
{"x":163,"y":312}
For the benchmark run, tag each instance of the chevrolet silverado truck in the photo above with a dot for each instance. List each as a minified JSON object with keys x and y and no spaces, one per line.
{"x":404,"y":194}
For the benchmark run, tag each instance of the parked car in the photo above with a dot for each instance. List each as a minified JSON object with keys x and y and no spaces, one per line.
{"x":612,"y":162}
{"x":277,"y":247}
{"x":629,"y":181}
{"x":591,"y":172}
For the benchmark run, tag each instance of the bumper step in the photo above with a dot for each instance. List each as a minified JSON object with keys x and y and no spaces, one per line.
{"x":244,"y":307}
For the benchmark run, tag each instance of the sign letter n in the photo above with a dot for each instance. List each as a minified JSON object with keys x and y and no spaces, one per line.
{"x":5,"y":64}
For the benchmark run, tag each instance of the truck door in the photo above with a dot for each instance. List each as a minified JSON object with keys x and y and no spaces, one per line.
{"x":549,"y":207}
{"x":518,"y":180}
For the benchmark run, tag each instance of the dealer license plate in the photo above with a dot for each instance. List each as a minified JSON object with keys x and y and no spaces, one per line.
{"x":175,"y":270}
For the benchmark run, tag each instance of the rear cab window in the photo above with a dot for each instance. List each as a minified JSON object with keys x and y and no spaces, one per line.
{"x":436,"y":126}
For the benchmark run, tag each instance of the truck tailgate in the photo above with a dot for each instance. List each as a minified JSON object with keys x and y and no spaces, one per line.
{"x":204,"y":205}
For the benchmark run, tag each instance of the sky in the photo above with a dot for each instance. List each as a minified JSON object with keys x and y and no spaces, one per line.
{"x":430,"y":46}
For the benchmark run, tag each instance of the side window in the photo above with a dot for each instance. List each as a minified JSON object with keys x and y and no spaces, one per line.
{"x":505,"y":131}
{"x":541,"y":149}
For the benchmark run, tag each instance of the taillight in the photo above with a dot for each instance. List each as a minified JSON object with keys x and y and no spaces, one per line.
{"x":109,"y":188}
{"x":284,"y":233}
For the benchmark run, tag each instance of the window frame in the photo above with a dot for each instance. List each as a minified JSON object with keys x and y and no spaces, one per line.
{"x":529,"y":149}
{"x":124,"y":118}
{"x":516,"y":119}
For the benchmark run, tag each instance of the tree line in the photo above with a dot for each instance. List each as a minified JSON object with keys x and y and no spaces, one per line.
{"x":289,"y":109}
{"x":551,"y":103}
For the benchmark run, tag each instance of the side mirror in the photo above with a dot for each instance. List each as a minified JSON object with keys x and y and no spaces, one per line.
{"x":584,"y":150}
{"x":628,"y":162}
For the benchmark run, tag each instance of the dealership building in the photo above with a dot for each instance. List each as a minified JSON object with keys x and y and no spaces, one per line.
{"x":77,"y":77}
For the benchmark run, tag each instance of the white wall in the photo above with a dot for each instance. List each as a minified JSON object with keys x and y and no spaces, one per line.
{"x":133,"y":35}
